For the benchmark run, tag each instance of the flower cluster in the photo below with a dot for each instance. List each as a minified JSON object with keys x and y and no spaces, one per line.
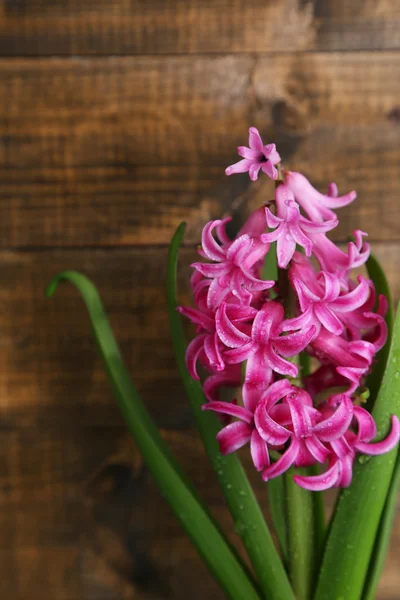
{"x":250,"y":331}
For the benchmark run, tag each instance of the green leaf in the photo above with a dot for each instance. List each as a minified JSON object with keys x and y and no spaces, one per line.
{"x":175,"y":488}
{"x":378,"y":277}
{"x":383,"y":536}
{"x":359,"y":509}
{"x":277,"y":508}
{"x":247,"y":516}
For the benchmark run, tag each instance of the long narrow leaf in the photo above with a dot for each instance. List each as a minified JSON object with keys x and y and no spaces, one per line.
{"x":176,"y":490}
{"x":378,"y":277}
{"x":383,"y":536}
{"x":278,"y":510}
{"x":355,"y":523}
{"x":245,"y":511}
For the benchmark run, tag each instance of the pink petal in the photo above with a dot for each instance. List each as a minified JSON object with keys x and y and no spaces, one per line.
{"x":300,"y":418}
{"x":319,"y":483}
{"x":349,"y":302}
{"x":303,"y":321}
{"x":255,"y":141}
{"x":322,"y":227}
{"x":212,"y":250}
{"x":197,"y":317}
{"x":285,"y":249}
{"x":335,"y":426}
{"x":317,"y":448}
{"x":251,"y":395}
{"x":269,"y":149}
{"x":292,"y":344}
{"x":272,"y":236}
{"x":258,"y":371}
{"x":270,"y":430}
{"x":269,"y":169}
{"x":366,"y":426}
{"x":341,"y":447}
{"x":211,"y":269}
{"x":239,"y":248}
{"x":283,"y":463}
{"x":276,"y":392}
{"x":240,"y":167}
{"x":301,"y":239}
{"x":272,"y":220}
{"x":216,"y":294}
{"x":259,"y":451}
{"x":346,"y":472}
{"x":238,"y":355}
{"x":222,"y":236}
{"x":390,"y":442}
{"x":254,"y":170}
{"x":278,"y":364}
{"x":333,"y":190}
{"x":253,"y":155}
{"x":227,"y":408}
{"x":230,"y":335}
{"x":193,"y":352}
{"x":328,"y":319}
{"x":212,"y":352}
{"x":233,"y":436}
{"x":237,"y":313}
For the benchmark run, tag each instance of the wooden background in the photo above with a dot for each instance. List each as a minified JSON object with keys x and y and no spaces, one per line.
{"x":117,"y":118}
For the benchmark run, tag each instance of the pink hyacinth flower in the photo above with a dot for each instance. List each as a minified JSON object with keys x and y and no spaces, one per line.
{"x":308,"y":430}
{"x":317,"y":206}
{"x":322,"y":304}
{"x":256,"y":157}
{"x":291,"y":227}
{"x":351,"y":359}
{"x":240,"y":432}
{"x":234,"y":270}
{"x":207,"y":345}
{"x":343,"y":452}
{"x":262,"y":346}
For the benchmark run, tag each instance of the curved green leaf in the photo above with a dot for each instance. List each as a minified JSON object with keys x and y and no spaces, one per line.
{"x":383,"y":536}
{"x":247,"y":516}
{"x":377,"y":274}
{"x":175,"y":488}
{"x":358,"y":513}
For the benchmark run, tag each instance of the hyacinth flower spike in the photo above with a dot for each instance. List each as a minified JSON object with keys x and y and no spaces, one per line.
{"x":247,"y":338}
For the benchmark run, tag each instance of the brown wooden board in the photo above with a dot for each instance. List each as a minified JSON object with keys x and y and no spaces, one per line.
{"x":117,"y":151}
{"x":55,"y":27}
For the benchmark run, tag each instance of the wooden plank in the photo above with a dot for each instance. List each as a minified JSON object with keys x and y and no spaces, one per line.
{"x":79,"y":511}
{"x":80,"y":514}
{"x":49,"y":366}
{"x":118,"y":151}
{"x":49,"y":369}
{"x":43,"y":27}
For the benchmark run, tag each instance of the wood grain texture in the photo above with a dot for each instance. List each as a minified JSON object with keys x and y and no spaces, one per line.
{"x":72,"y":27}
{"x":118,"y":151}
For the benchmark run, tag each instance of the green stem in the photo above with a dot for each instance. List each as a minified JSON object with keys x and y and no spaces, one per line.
{"x":305,"y":509}
{"x":216,"y":552}
{"x":249,"y":521}
{"x":303,"y":549}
